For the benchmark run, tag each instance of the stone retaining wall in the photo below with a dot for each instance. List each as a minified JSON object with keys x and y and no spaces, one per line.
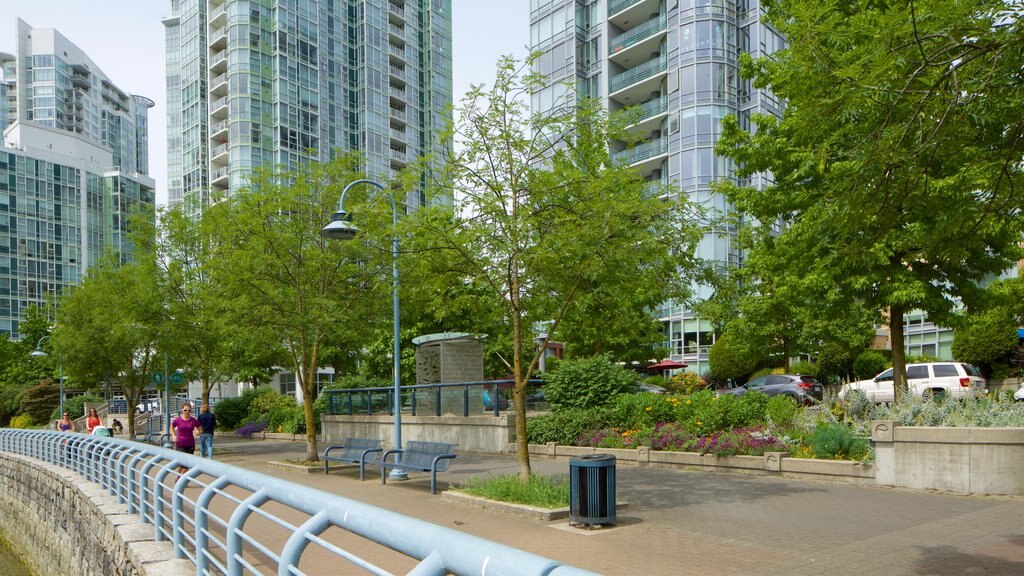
{"x":64,"y":525}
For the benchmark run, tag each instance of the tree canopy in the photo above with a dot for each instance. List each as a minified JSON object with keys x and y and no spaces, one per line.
{"x":896,"y":164}
{"x":549,"y":231}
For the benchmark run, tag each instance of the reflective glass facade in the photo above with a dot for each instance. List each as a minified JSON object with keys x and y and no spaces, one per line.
{"x":677,"y":61}
{"x":275,"y":83}
{"x":72,"y":169}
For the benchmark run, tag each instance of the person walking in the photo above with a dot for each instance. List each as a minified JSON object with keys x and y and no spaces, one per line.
{"x":208,"y":423}
{"x":92,"y":421}
{"x":66,"y":424}
{"x":183,"y":432}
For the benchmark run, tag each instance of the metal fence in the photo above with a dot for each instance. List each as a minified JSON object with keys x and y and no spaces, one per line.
{"x":465,"y":398}
{"x":227,"y":520}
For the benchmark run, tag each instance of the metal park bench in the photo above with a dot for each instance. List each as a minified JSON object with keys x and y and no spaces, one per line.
{"x":430,"y":457}
{"x":360,"y":451}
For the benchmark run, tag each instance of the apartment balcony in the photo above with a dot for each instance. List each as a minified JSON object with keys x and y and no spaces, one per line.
{"x":635,"y":85}
{"x":219,"y":178}
{"x":398,"y":116}
{"x":399,"y":157}
{"x":399,"y":135}
{"x":219,"y":61}
{"x":628,"y":13}
{"x":219,"y":85}
{"x":396,"y":32}
{"x":648,"y":34}
{"x":396,"y":10}
{"x":219,"y":108}
{"x":649,"y":115}
{"x":642,"y":152}
{"x":397,"y":73}
{"x":219,"y":154}
{"x":219,"y":131}
{"x":218,"y":17}
{"x":218,"y":38}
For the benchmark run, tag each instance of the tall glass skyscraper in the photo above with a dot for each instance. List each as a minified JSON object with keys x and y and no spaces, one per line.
{"x":254,"y":83}
{"x":73,"y":169}
{"x":678,"y":61}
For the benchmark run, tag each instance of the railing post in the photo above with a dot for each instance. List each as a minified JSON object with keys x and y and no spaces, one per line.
{"x":234,"y":538}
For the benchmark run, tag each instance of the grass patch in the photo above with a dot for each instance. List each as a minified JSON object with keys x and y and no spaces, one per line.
{"x":540,"y":491}
{"x":307,"y":463}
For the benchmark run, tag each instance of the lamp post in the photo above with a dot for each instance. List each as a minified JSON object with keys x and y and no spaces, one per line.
{"x":39,"y":353}
{"x":341,"y":228}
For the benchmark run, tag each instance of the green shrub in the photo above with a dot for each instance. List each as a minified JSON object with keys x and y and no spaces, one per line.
{"x":230,"y":412}
{"x":21,"y":421}
{"x":838,"y":442}
{"x":732,"y":359}
{"x":686,"y":383}
{"x":806,"y":368}
{"x":869,"y":363}
{"x":708,"y":413}
{"x":75,"y":406}
{"x":40,"y":401}
{"x":586,"y":383}
{"x":636,"y":410}
{"x":564,"y":427}
{"x":780,"y":410}
{"x":266,"y":402}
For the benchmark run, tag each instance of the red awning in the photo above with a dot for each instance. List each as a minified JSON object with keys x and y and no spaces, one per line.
{"x":666,"y":364}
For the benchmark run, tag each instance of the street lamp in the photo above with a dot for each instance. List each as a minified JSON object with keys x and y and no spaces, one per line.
{"x":40,"y":353}
{"x":341,"y":228}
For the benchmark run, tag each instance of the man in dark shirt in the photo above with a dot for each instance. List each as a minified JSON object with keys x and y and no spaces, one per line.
{"x":207,"y":423}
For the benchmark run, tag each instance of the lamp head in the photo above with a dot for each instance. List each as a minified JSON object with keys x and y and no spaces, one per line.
{"x":38,"y":353}
{"x":340,"y":227}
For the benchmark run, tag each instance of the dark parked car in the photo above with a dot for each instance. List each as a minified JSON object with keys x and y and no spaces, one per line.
{"x":804,"y":389}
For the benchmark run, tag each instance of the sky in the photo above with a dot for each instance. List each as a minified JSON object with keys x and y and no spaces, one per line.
{"x":125,"y":38}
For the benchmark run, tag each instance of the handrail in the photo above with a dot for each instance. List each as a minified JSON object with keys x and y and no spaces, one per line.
{"x":346,"y":401}
{"x":211,"y":528}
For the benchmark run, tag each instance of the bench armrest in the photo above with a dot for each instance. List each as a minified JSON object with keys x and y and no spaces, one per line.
{"x":384,"y":457}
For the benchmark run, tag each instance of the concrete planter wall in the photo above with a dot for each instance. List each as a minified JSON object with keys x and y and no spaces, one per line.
{"x":962,"y":460}
{"x":772,"y":463}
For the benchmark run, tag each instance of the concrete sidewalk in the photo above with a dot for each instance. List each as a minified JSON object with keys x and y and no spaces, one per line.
{"x":704,"y":523}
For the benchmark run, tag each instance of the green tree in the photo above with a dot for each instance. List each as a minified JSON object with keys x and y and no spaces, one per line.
{"x":285,"y":280}
{"x":113,"y":323}
{"x":549,"y":228}
{"x":731,"y":358}
{"x":196,"y":327}
{"x":896,"y":163}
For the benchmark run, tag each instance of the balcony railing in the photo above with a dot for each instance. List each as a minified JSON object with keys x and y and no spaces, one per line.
{"x":642,"y":152}
{"x":641,"y":72}
{"x":638,"y":34}
{"x":615,"y":7}
{"x":651,"y":108}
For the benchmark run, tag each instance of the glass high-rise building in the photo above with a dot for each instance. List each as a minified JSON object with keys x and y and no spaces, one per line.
{"x":678,"y":61}
{"x":262,"y":83}
{"x":73,"y":169}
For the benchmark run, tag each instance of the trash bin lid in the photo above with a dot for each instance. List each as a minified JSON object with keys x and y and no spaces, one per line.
{"x":593,"y":461}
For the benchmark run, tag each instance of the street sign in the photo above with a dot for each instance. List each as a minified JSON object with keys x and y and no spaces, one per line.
{"x":177,"y":377}
{"x":158,"y":378}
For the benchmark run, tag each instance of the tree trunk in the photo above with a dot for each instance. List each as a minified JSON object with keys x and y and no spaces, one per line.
{"x":899,"y":355}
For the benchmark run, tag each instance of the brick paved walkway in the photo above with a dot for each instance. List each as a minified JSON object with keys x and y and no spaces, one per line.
{"x":704,"y":523}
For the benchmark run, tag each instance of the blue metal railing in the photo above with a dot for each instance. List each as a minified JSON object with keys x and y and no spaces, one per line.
{"x":228,"y":520}
{"x":470,"y":397}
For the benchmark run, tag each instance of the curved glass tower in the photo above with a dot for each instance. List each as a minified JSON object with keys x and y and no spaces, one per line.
{"x":678,"y":62}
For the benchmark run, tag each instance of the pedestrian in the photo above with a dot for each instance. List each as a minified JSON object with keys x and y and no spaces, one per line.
{"x":116,"y":426}
{"x":183,"y":431}
{"x":92,"y":421}
{"x":66,"y":424}
{"x":208,"y":422}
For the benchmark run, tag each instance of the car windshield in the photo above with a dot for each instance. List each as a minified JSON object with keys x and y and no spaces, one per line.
{"x":971,"y":370}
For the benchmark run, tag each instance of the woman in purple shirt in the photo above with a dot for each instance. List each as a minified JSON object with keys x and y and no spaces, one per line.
{"x":183,"y":431}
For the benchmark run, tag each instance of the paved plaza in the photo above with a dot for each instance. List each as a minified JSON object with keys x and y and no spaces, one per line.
{"x":706,"y":523}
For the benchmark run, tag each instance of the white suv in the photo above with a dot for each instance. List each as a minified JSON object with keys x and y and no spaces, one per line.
{"x":957,"y":379}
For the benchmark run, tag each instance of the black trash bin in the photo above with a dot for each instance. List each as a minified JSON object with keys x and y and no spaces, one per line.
{"x":592,"y":490}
